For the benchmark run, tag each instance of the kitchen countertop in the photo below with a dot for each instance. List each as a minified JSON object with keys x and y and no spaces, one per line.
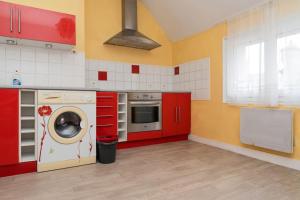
{"x":84,"y":89}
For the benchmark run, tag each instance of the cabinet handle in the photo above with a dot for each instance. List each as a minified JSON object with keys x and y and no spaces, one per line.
{"x":176,"y":114}
{"x":105,"y":125}
{"x":11,"y":19}
{"x":154,"y":103}
{"x":19,"y":20}
{"x":179,"y":114}
{"x":104,"y":106}
{"x":105,"y":97}
{"x":104,"y":116}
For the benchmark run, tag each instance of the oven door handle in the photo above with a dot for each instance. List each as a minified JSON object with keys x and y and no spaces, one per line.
{"x":146,"y":103}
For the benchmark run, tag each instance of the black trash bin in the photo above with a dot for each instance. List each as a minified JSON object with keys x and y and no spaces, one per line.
{"x":106,"y":151}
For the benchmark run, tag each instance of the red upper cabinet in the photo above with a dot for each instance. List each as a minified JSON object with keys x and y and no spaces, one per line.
{"x":35,"y":24}
{"x":176,"y":114}
{"x":9,"y":132}
{"x":44,"y":25}
{"x":7,"y":19}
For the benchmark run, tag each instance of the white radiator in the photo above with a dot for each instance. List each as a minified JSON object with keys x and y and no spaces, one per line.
{"x":270,"y":129}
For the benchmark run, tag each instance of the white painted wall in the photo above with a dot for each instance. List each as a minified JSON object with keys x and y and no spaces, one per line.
{"x":181,"y":19}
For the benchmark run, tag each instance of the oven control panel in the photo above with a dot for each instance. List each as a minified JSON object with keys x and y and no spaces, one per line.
{"x":144,"y":96}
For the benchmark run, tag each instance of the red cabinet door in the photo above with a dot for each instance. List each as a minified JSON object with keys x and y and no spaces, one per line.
{"x":107,"y":111}
{"x":9,"y":132}
{"x":184,"y":113}
{"x":7,"y":19}
{"x":44,"y":25}
{"x":176,"y":114}
{"x":169,"y":114}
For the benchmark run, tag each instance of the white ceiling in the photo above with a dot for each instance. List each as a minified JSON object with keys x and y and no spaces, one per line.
{"x":183,"y":18}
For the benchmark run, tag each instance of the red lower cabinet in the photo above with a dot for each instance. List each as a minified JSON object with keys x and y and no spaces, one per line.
{"x":107,"y":111}
{"x":184,"y":113}
{"x":176,"y":123}
{"x":143,"y":135}
{"x":176,"y":114}
{"x":9,"y":132}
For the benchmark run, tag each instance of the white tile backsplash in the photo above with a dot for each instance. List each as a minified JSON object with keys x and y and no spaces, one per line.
{"x":12,"y":65}
{"x":55,"y":57}
{"x":27,"y":67}
{"x":28,"y":54}
{"x":42,"y":67}
{"x":29,"y":79}
{"x":151,"y":77}
{"x":13,"y":52}
{"x":68,"y":58}
{"x":195,"y":77}
{"x":41,"y":55}
{"x":2,"y":53}
{"x":55,"y":68}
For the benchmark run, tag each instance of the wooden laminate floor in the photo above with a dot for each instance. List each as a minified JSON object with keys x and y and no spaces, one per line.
{"x":182,"y":170}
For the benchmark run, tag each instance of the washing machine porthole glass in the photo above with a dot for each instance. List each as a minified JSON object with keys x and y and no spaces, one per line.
{"x":67,"y":125}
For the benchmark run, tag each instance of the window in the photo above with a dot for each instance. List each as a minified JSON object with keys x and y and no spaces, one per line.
{"x":262,"y":56}
{"x":288,"y":63}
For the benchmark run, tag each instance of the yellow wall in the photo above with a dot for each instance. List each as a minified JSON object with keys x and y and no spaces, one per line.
{"x":103,"y":20}
{"x":213,"y":119}
{"x":74,"y":7}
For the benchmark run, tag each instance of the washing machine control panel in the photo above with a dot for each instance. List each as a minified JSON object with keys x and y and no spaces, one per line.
{"x":66,"y":97}
{"x":87,"y":98}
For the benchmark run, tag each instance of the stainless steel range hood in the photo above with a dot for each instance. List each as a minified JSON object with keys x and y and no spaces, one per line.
{"x":129,"y":36}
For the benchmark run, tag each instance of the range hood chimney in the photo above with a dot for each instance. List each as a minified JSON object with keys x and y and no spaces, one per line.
{"x":129,"y":36}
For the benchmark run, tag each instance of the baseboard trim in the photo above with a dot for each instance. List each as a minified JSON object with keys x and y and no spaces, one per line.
{"x":274,"y":159}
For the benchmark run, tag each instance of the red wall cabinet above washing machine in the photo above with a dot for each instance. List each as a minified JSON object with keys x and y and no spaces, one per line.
{"x":9,"y":121}
{"x":107,"y":111}
{"x":33,"y":24}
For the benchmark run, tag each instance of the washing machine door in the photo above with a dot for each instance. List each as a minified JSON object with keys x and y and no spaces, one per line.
{"x":68,"y":125}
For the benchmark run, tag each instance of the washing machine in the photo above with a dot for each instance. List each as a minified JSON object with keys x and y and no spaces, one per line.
{"x":66,"y":129}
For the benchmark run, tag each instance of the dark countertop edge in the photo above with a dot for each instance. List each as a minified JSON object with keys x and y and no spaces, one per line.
{"x":89,"y":89}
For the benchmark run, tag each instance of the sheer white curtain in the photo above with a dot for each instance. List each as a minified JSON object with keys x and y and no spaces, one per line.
{"x":262,"y":55}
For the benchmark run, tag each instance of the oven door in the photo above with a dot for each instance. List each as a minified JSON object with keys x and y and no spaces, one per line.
{"x":144,"y":116}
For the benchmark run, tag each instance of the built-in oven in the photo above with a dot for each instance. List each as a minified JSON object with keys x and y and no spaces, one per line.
{"x":144,"y":112}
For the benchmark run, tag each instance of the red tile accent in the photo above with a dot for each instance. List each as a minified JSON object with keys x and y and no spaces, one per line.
{"x":135,"y":69}
{"x":102,"y":76}
{"x":176,"y":70}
